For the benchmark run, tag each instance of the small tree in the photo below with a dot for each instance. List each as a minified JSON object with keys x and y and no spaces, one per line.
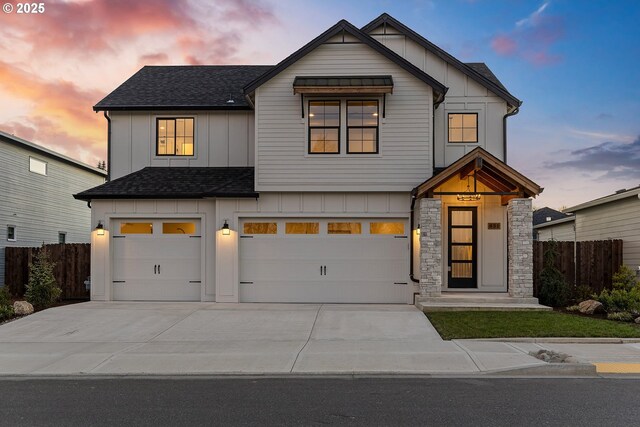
{"x":42,"y":290}
{"x":554,"y":290}
{"x":625,"y":278}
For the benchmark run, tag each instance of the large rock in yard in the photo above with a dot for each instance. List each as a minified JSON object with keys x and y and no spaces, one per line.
{"x":590,"y":306}
{"x":22,"y":308}
{"x":637,"y":320}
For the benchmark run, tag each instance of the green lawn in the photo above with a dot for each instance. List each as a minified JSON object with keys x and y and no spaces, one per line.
{"x":503,"y":324}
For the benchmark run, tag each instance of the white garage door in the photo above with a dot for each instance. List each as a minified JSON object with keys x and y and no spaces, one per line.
{"x":156,"y":260}
{"x":324,"y":260}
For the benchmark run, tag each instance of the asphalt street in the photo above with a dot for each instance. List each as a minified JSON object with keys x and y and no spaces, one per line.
{"x":319,"y":401}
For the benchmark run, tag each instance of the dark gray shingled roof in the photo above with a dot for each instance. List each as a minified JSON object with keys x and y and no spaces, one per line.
{"x":540,"y":215}
{"x":482,"y":69}
{"x":184,"y":86}
{"x":177,"y":183}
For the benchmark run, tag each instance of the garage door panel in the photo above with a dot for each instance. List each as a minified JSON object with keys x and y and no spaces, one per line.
{"x":156,"y":290}
{"x":357,"y":268}
{"x":157,"y":267}
{"x":322,"y":292}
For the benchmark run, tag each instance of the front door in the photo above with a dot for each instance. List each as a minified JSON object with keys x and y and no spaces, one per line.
{"x":463,"y":254}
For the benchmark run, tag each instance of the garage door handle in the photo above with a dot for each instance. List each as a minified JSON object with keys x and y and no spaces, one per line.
{"x":325,"y":270}
{"x":155,"y":269}
{"x":158,"y":268}
{"x":321,"y":270}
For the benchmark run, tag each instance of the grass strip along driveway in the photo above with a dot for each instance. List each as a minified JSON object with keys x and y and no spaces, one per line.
{"x":536,"y":324}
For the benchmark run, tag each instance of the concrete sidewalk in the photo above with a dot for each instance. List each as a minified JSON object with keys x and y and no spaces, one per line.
{"x":209,"y":338}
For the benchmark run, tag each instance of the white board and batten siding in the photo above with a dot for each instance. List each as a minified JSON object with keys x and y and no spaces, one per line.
{"x":41,"y":206}
{"x":404,"y":159}
{"x":619,"y":219}
{"x":465,"y":95}
{"x":107,"y":253}
{"x":221,"y":138}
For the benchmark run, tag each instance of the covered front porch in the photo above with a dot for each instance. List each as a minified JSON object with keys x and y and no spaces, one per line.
{"x":475,"y":235}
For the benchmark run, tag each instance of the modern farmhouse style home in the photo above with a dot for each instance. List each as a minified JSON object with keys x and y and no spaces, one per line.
{"x":367,"y":167}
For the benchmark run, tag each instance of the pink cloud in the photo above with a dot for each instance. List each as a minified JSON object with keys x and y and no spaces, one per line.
{"x":532,"y":38}
{"x":504,"y":45}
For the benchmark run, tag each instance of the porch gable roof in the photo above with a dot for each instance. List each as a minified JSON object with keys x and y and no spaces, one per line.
{"x":489,"y":170}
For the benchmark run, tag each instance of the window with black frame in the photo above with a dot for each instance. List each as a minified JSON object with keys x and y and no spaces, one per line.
{"x":324,"y":127}
{"x":174,"y":136}
{"x":362,"y":127}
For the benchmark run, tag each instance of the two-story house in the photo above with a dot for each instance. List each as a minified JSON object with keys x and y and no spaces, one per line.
{"x":368,"y":166}
{"x":36,"y":203}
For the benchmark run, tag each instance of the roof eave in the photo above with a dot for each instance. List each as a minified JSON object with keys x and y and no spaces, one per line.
{"x":604,"y":200}
{"x":98,"y":108}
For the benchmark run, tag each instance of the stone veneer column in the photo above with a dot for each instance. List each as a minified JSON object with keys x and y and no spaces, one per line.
{"x":430,"y":247}
{"x":520,"y":247}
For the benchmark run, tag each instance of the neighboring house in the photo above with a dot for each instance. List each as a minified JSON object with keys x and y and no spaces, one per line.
{"x":368,"y":166}
{"x":616,"y":216}
{"x":545,"y":215}
{"x":36,"y":196}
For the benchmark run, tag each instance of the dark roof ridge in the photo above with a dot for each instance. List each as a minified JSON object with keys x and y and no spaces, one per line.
{"x":447,"y":57}
{"x":344,"y":25}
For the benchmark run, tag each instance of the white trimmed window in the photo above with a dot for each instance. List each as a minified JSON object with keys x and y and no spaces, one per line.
{"x":463,"y":127}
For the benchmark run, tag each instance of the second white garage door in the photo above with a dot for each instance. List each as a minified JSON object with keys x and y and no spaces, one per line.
{"x":324,"y":260}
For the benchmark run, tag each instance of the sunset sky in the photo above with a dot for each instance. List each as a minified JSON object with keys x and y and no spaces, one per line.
{"x":575,"y":64}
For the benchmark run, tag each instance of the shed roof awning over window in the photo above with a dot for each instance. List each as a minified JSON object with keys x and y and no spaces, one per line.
{"x":343,"y":85}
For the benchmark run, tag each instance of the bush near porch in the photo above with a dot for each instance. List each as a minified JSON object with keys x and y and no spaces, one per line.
{"x":519,"y":324}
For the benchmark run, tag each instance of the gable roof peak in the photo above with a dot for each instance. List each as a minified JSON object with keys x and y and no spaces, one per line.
{"x":344,"y":25}
{"x":479,"y":77}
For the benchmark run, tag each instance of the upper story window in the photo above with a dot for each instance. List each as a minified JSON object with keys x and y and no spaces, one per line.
{"x":463,"y":127}
{"x":37,"y":166}
{"x":362,"y":127}
{"x":62,"y":237}
{"x":324,"y":127}
{"x":174,"y":136}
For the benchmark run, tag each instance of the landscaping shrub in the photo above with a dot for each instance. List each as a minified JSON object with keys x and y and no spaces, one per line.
{"x":6,"y":308}
{"x":618,"y":300}
{"x":625,"y":278}
{"x":625,"y":295}
{"x":621,"y":316}
{"x":581,"y":293}
{"x":554,"y":290}
{"x":42,"y":290}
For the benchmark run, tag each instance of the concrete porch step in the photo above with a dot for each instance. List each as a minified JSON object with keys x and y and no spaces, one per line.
{"x":463,"y":301}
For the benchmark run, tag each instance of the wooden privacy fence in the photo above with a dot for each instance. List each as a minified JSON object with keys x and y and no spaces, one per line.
{"x":73,"y":266}
{"x":592,"y":263}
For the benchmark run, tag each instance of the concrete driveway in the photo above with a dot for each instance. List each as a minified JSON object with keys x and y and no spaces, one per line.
{"x":213,"y":338}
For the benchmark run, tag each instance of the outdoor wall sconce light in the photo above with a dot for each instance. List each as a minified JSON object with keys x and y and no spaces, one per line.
{"x":225,"y":228}
{"x":418,"y":230}
{"x":100,"y":229}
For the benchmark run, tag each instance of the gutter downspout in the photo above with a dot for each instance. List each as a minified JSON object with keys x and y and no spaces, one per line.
{"x":413,"y":196}
{"x":106,"y":116}
{"x":433,"y":132}
{"x":504,"y":130}
{"x":413,"y":203}
{"x":504,"y":148}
